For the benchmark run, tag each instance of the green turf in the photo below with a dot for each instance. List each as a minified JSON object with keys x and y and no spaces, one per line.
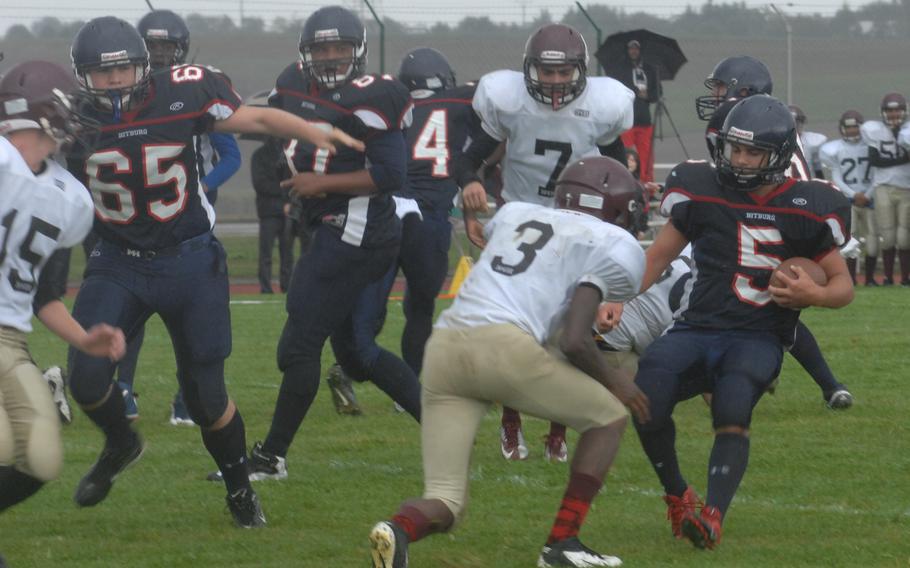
{"x":823,"y":488}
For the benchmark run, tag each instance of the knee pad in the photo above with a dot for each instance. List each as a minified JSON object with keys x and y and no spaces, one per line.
{"x":205,"y":395}
{"x":44,"y":450}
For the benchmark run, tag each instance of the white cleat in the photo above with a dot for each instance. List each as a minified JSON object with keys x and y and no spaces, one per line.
{"x":512,"y":442}
{"x":54,"y":378}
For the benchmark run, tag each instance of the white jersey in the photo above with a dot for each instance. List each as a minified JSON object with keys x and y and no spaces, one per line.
{"x":648,"y":315}
{"x":848,"y":166}
{"x":39,"y":215}
{"x":534,"y":259}
{"x":811,"y":143}
{"x":542,"y":141}
{"x":877,"y":135}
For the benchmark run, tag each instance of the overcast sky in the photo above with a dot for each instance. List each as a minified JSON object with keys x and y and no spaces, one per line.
{"x":408,"y":11}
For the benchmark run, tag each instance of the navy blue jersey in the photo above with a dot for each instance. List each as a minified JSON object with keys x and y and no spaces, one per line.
{"x":363,"y":107}
{"x":442,"y":125}
{"x":738,"y":240}
{"x":143,"y":171}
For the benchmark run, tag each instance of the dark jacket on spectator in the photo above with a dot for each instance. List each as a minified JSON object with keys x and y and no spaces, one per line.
{"x":623,"y":72}
{"x":265,"y":168}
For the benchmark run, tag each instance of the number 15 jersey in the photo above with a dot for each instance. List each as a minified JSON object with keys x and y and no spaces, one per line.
{"x":534,"y":259}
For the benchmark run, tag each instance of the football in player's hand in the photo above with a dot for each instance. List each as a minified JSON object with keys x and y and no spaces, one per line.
{"x":812,"y":269}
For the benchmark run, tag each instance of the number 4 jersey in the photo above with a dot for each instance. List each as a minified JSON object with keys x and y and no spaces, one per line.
{"x":38,"y":215}
{"x":738,"y":239}
{"x":143,"y":171}
{"x":534,"y":258}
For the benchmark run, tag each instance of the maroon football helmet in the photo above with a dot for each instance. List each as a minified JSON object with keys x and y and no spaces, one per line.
{"x":556,"y":44}
{"x":892,"y":102}
{"x":601,"y":187}
{"x":849,"y":119}
{"x":35,"y":94}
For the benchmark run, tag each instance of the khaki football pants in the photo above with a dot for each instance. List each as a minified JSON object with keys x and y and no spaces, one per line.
{"x":892,"y":214}
{"x":865,"y":227}
{"x":466,"y":370}
{"x":29,"y":426}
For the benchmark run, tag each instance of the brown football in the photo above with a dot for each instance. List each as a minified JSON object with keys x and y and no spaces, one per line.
{"x":812,"y":269}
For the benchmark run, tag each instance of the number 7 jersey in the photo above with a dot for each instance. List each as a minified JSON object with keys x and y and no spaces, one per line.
{"x":143,"y":171}
{"x":534,"y":259}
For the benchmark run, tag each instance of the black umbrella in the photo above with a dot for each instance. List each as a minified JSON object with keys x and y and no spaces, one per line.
{"x":660,"y":51}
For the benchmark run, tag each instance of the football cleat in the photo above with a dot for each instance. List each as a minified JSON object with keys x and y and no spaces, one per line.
{"x":264,"y":465}
{"x":342,"y":388}
{"x":571,"y":552}
{"x":57,"y":384}
{"x":555,"y":449}
{"x":841,"y":399}
{"x":679,"y":507}
{"x":180,"y":416}
{"x":97,"y":483}
{"x":703,"y":530}
{"x":388,"y":545}
{"x":245,"y":508}
{"x":512,"y":442}
{"x":129,"y":399}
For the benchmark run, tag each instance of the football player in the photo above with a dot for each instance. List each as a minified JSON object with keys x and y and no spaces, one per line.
{"x":891,"y":178}
{"x":743,"y":216}
{"x":542,"y":268}
{"x":549,"y":115}
{"x":735,"y":78}
{"x":157,"y":253}
{"x":809,"y":141}
{"x":347,"y":207}
{"x":43,"y":209}
{"x":847,"y":163}
{"x":168,"y":41}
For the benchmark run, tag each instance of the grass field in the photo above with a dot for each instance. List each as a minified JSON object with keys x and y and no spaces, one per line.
{"x":823,"y":488}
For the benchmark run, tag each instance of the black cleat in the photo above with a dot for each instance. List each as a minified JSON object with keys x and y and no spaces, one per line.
{"x":571,"y":552}
{"x":388,"y":545}
{"x":97,"y":483}
{"x":264,"y":465}
{"x":246,"y":509}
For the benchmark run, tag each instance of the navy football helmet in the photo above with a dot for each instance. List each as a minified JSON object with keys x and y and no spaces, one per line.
{"x":602,"y":187}
{"x":556,"y":44}
{"x":734,"y":77}
{"x":761,"y":122}
{"x":110,"y":42}
{"x":166,"y":37}
{"x":333,"y":24}
{"x":426,"y":69}
{"x":850,"y":119}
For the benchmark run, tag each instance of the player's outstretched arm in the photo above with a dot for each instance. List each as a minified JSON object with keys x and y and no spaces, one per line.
{"x":101,"y":340}
{"x":578,"y":345}
{"x":803,"y":291}
{"x":275,"y":122}
{"x":665,"y":248}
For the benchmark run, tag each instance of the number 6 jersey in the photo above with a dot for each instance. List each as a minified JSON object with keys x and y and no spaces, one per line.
{"x":143,"y":171}
{"x":534,"y":258}
{"x":738,"y":239}
{"x":38,"y":215}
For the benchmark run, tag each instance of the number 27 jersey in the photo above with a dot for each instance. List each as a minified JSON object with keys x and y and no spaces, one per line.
{"x":143,"y":172}
{"x":534,"y":259}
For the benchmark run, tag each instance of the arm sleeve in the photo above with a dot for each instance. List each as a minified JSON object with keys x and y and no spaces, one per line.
{"x":228,"y":159}
{"x":465,"y":164}
{"x":387,"y":155}
{"x":52,"y":281}
{"x":879,"y":161}
{"x":615,"y":150}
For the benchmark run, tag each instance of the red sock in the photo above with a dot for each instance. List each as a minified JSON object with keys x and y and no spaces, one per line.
{"x":510,"y":415}
{"x":557,"y":429}
{"x":575,"y":504}
{"x":414,"y":523}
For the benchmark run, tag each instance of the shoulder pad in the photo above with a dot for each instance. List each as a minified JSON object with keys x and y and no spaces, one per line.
{"x":380,"y":102}
{"x":460,"y":92}
{"x":874,"y":131}
{"x":828,"y":152}
{"x":291,"y":77}
{"x":502,"y":90}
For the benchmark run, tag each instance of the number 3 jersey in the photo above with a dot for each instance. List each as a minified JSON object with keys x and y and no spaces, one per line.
{"x":541,"y":141}
{"x":38,"y":215}
{"x":143,"y":171}
{"x":738,"y":239}
{"x":364,"y":107}
{"x":534,"y":259}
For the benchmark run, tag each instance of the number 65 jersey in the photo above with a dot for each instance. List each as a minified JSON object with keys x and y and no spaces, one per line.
{"x":534,"y":259}
{"x":37,"y":217}
{"x":738,"y":239}
{"x":143,"y":171}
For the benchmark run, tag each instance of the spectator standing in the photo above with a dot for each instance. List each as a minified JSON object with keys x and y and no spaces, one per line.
{"x":641,"y":77}
{"x":273,"y":222}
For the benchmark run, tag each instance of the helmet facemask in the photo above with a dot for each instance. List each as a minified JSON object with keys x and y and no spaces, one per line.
{"x":121,"y":99}
{"x":326,"y":71}
{"x":555,"y":95}
{"x":772,"y":172}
